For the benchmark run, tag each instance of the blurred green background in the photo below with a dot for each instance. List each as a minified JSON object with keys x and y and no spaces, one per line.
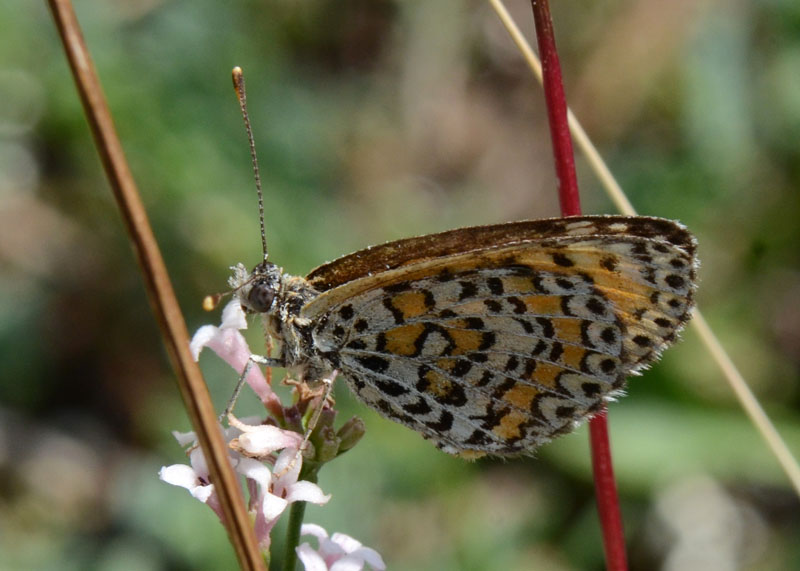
{"x":377,"y":120}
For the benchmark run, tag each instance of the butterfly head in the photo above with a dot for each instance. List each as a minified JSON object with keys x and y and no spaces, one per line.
{"x":258,"y":290}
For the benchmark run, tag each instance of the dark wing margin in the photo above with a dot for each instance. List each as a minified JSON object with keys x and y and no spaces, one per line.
{"x":392,"y":255}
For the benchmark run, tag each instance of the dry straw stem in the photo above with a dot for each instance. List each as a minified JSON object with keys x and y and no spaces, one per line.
{"x":159,"y":289}
{"x":734,"y":378}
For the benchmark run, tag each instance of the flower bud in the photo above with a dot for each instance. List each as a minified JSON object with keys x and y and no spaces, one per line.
{"x":350,"y":433}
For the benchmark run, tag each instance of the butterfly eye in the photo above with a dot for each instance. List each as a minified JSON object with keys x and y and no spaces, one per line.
{"x":261,"y":296}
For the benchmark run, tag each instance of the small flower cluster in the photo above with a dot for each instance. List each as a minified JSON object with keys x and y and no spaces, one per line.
{"x":267,"y":454}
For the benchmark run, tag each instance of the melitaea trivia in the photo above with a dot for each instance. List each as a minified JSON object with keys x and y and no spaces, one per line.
{"x":485,"y":340}
{"x":490,"y":339}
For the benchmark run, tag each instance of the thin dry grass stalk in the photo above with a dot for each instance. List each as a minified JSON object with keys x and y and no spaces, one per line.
{"x":159,"y":288}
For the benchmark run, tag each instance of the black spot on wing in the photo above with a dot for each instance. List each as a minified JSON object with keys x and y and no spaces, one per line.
{"x":675,"y":281}
{"x":541,"y":347}
{"x":609,"y":263}
{"x":390,"y":387}
{"x":357,"y":345}
{"x":518,"y":305}
{"x":511,"y":364}
{"x":346,"y":312}
{"x":485,"y":379}
{"x":468,"y":290}
{"x":396,"y":313}
{"x":488,"y":340}
{"x":608,"y":366}
{"x":526,"y":326}
{"x":373,"y":363}
{"x":609,"y":335}
{"x":398,"y":287}
{"x":476,"y":357}
{"x":443,"y":424}
{"x":548,"y":331}
{"x":493,"y":305}
{"x":596,"y":306}
{"x":562,"y":260}
{"x":418,"y":407}
{"x":478,"y":438}
{"x":495,"y":285}
{"x":461,"y":368}
{"x":564,"y":283}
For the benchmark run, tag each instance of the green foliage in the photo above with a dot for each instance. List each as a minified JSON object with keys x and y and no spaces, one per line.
{"x":374,"y":121}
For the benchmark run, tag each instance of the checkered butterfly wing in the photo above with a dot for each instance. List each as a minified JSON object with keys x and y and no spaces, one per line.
{"x":495,"y":339}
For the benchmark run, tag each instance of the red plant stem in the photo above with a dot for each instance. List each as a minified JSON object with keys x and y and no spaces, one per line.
{"x":604,"y":483}
{"x":605,"y":489}
{"x":556,"y":103}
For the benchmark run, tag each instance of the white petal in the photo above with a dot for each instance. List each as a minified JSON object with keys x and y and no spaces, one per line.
{"x":233,"y":316}
{"x":313,"y":529}
{"x":185,"y":438}
{"x":198,"y":462}
{"x":287,"y":467}
{"x":370,"y":556}
{"x":311,"y":560}
{"x":303,"y":491}
{"x":253,"y":421}
{"x":183,"y":476}
{"x":179,"y":475}
{"x":272,"y":506}
{"x":202,"y":337}
{"x":266,"y":439}
{"x":330,"y":550}
{"x":347,"y":543}
{"x":202,"y":493}
{"x":348,"y":563}
{"x":255,"y":470}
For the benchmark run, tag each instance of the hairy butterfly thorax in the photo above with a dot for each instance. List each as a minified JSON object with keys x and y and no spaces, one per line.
{"x":280,"y":298}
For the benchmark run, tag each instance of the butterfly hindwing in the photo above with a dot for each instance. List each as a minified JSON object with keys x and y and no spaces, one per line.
{"x":495,"y":339}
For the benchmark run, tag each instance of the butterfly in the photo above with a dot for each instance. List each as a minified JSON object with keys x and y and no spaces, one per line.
{"x":489,"y":339}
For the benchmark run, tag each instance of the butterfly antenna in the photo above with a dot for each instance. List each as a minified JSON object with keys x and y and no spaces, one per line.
{"x":241,"y":94}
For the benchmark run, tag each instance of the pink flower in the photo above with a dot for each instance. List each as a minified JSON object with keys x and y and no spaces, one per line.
{"x":230,"y":345}
{"x":194,"y":477}
{"x":276,"y":489}
{"x":338,"y":552}
{"x":265,"y":454}
{"x":271,"y":491}
{"x":261,"y":440}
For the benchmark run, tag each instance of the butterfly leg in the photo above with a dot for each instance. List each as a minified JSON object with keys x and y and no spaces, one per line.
{"x":327,"y":382}
{"x":252,"y":360}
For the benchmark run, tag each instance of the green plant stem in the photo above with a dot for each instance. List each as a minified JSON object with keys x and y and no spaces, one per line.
{"x":297,"y":512}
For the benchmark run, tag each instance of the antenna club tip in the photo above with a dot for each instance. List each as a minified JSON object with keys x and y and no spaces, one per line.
{"x":210,"y":302}
{"x":238,"y":76}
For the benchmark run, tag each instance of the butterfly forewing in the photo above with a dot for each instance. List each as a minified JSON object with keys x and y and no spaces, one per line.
{"x":495,"y":339}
